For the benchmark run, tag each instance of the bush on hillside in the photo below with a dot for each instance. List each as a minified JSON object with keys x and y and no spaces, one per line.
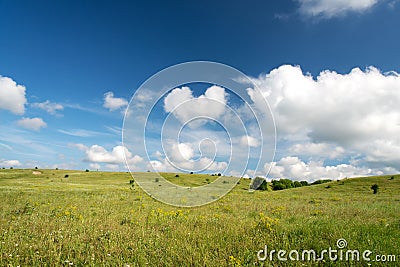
{"x":375,"y":188}
{"x":259,"y":183}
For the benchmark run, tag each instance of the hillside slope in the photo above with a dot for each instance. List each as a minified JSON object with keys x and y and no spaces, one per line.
{"x":99,"y":218}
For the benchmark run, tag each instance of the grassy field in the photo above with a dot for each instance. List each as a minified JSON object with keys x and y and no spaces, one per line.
{"x":99,"y":219}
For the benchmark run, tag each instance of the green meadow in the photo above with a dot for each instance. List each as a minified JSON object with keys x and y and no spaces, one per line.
{"x":103,"y":219}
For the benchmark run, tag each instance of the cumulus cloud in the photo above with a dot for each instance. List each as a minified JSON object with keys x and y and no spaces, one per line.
{"x":163,"y":165}
{"x":181,"y":103}
{"x":114,"y":103}
{"x":34,"y":124}
{"x":12,"y":96}
{"x":333,"y":8}
{"x":180,"y":152}
{"x":184,"y":157}
{"x":98,"y":154}
{"x":250,"y":141}
{"x":320,"y":150}
{"x":336,"y":115}
{"x":10,"y":163}
{"x":296,"y":169}
{"x":49,"y":107}
{"x":329,"y":125}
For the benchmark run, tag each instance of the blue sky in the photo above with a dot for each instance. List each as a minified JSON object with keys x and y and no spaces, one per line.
{"x":68,"y":69}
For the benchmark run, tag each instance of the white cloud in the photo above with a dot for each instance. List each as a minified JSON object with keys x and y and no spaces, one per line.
{"x":113,"y":167}
{"x":182,"y":156}
{"x":181,"y":152}
{"x":32,"y":123}
{"x":329,"y":125}
{"x":12,"y":96}
{"x":160,"y":166}
{"x":94,"y":166}
{"x":250,"y":141}
{"x":296,"y":169}
{"x":48,"y":106}
{"x":98,"y":154}
{"x":10,"y":163}
{"x":333,"y":8}
{"x":181,"y":103}
{"x":114,"y":103}
{"x":317,"y":149}
{"x":355,"y":113}
{"x":204,"y":163}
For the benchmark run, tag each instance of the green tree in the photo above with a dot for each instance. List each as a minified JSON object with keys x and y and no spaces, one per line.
{"x":297,"y":184}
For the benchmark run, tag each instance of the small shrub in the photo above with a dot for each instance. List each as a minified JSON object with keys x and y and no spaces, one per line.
{"x":36,"y":168}
{"x":132,"y":184}
{"x":157,"y":180}
{"x":66,"y":176}
{"x":177,"y":175}
{"x":259,"y":183}
{"x":125,"y":221}
{"x":263,"y":186}
{"x":375,"y":188}
{"x":391,"y":178}
{"x":56,"y":169}
{"x":191,"y":172}
{"x":219,"y":174}
{"x":86,"y":170}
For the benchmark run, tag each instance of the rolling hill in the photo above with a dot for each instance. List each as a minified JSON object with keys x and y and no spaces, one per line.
{"x":69,"y":217}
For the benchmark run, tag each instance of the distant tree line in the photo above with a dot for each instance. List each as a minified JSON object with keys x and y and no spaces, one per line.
{"x":283,"y":184}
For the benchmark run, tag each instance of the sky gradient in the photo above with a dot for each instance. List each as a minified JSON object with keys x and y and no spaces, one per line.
{"x":329,"y":70}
